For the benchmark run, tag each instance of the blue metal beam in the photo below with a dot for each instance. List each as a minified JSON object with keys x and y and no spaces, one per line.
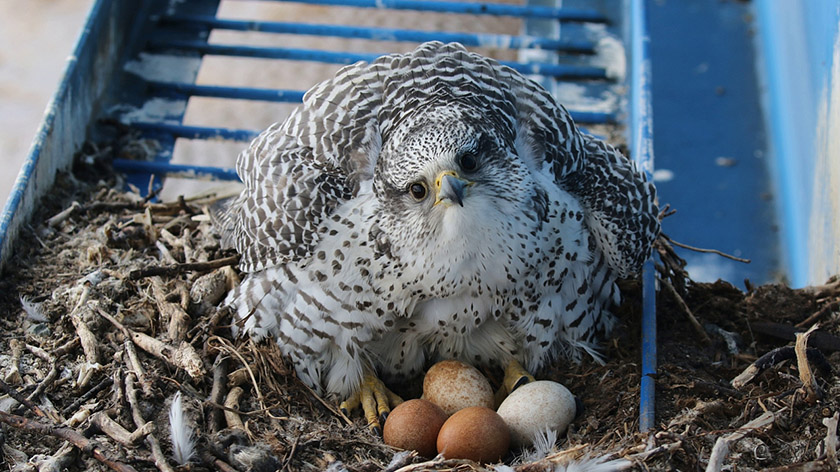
{"x":338,"y":57}
{"x":389,"y":34}
{"x":472,"y":8}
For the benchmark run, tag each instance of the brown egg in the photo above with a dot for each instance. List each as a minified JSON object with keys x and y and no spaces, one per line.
{"x":476,"y":433}
{"x":453,"y":385}
{"x":414,"y":425}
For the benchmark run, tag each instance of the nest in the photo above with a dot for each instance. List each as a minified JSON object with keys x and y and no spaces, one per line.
{"x":113,"y":307}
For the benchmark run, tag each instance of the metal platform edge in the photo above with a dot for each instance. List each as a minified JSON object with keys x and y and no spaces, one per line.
{"x":68,"y":115}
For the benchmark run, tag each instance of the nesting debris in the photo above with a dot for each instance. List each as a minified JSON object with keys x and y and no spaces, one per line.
{"x":113,"y":309}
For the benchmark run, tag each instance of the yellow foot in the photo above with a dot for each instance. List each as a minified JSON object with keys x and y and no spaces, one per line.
{"x":376,"y":401}
{"x":515,"y":377}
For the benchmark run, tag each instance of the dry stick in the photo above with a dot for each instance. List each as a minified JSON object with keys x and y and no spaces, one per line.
{"x":139,"y":421}
{"x":711,"y":251}
{"x":183,"y":357}
{"x":819,"y":314}
{"x":232,"y":403}
{"x":694,"y":323}
{"x":59,"y":218}
{"x":830,"y":441}
{"x":721,"y":448}
{"x":137,"y":368}
{"x":179,"y":320}
{"x":12,"y":392}
{"x":60,"y":460}
{"x":13,"y":376}
{"x":90,"y":345}
{"x":66,"y":434}
{"x":116,"y":432}
{"x":105,"y":383}
{"x":176,"y":269}
{"x":809,"y":382}
{"x":217,"y":392}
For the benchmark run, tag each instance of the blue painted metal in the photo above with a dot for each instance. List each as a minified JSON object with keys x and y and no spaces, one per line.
{"x":168,"y":169}
{"x":158,"y":129}
{"x":472,"y":8}
{"x":390,"y":34}
{"x":240,"y":93}
{"x":641,"y":144}
{"x":711,"y":137}
{"x":343,"y":57}
{"x":800,"y":49}
{"x":70,"y":113}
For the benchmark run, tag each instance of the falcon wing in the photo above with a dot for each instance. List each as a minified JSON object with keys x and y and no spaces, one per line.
{"x":296,"y":174}
{"x":620,"y":203}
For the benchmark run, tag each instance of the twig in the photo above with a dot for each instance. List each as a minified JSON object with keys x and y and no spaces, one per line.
{"x":232,"y":403}
{"x":179,"y":320}
{"x":58,"y":462}
{"x":822,"y":312}
{"x":137,"y":368}
{"x":105,"y":383}
{"x":90,"y":345}
{"x":777,"y":356}
{"x":116,"y":432}
{"x":183,"y":357}
{"x":66,"y":434}
{"x":819,"y":340}
{"x":176,"y":269}
{"x":139,"y":421}
{"x":13,"y":376}
{"x":684,"y":306}
{"x":12,"y":392}
{"x":809,"y":382}
{"x":711,"y":251}
{"x":63,"y":215}
{"x":217,"y":392}
{"x":721,"y":448}
{"x":830,"y":441}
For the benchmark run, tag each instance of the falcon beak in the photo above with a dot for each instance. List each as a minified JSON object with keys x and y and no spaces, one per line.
{"x":450,"y":188}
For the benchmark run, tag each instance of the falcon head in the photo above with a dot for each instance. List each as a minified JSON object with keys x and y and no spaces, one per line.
{"x":449,"y":182}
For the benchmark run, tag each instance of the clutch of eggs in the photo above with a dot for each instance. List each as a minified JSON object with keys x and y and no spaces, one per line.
{"x":455,"y":415}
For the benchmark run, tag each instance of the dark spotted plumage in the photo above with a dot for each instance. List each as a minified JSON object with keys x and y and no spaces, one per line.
{"x":432,"y":205}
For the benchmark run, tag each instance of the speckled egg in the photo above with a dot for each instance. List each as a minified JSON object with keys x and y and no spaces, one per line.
{"x":453,"y":385}
{"x":414,"y":425}
{"x":536,"y":407}
{"x":476,"y":433}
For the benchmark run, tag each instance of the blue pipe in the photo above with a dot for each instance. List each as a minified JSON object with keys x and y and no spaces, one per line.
{"x":242,"y":93}
{"x":296,"y":96}
{"x":336,"y":57}
{"x":193,"y":132}
{"x":641,"y":118}
{"x":175,"y":170}
{"x":390,"y":34}
{"x":472,"y":8}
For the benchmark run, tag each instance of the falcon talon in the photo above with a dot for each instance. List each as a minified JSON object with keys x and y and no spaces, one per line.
{"x":357,"y":259}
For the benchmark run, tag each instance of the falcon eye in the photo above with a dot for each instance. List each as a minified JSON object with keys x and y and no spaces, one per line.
{"x":418,"y":190}
{"x":468,"y":161}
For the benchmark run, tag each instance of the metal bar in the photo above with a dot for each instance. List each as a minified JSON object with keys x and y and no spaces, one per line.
{"x":336,"y":57}
{"x":175,"y":170}
{"x":296,"y":96}
{"x":390,"y":34}
{"x":471,"y":8}
{"x":243,"y":93}
{"x":194,"y":132}
{"x":641,"y":118}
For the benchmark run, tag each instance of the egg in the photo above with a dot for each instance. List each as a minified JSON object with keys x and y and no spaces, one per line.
{"x":453,"y":385}
{"x":477,"y":433}
{"x":536,"y":407}
{"x":414,"y":425}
